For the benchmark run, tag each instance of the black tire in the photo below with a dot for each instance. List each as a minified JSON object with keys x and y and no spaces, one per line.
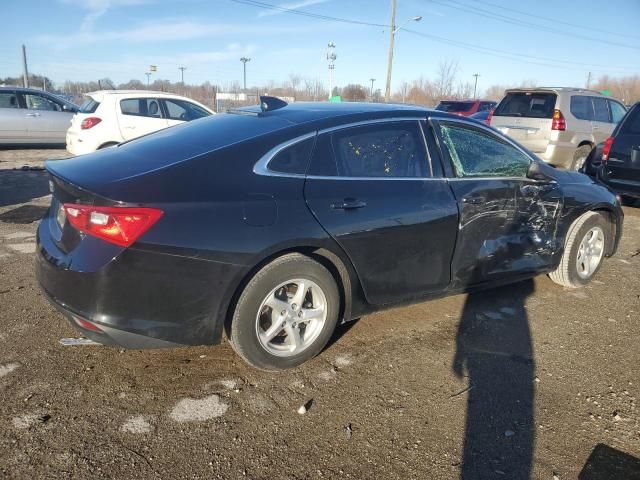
{"x":243,"y":335}
{"x":627,"y":201}
{"x":580,"y":156}
{"x":567,"y":272}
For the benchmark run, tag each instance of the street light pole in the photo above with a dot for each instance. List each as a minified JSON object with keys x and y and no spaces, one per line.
{"x":392,"y":36}
{"x":475,"y":85}
{"x":148,"y":74}
{"x":182,"y":69}
{"x":372,"y":80}
{"x":244,"y":61}
{"x":331,"y":58}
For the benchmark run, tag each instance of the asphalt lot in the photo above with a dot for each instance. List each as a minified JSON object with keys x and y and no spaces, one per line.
{"x":525,"y":381}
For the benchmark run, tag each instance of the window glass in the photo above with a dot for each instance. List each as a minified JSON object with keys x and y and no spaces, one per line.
{"x":455,"y":106}
{"x":293,"y":159}
{"x":617,"y":111}
{"x":8,"y":100}
{"x":632,"y":122}
{"x":581,"y":107}
{"x":527,"y":104}
{"x":485,"y":106}
{"x":144,"y":107}
{"x":186,"y":111}
{"x":38,"y":102}
{"x":380,"y":150}
{"x":475,"y":153}
{"x":89,"y":106}
{"x":323,"y":163}
{"x":600,"y":109}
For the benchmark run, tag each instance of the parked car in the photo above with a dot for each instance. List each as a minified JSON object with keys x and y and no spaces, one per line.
{"x":276,"y":223}
{"x":465,"y":108}
{"x":616,"y":162}
{"x":108,"y":117}
{"x":481,"y":116}
{"x":561,"y":125}
{"x":30,"y":116}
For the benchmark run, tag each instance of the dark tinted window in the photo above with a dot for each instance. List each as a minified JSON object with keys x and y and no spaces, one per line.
{"x":144,"y":107}
{"x":380,"y":150}
{"x":476,"y":153}
{"x":8,"y":100}
{"x":527,"y":104}
{"x":323,"y":162}
{"x":632,"y":122}
{"x":293,"y":159}
{"x":617,"y":111}
{"x":182,"y":110}
{"x":600,"y":109}
{"x":581,"y":107}
{"x":455,"y":106}
{"x":486,"y":106}
{"x":89,"y":106}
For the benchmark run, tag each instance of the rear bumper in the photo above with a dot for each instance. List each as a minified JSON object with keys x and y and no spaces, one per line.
{"x":79,"y":146}
{"x":628,"y":188}
{"x":135,"y":297}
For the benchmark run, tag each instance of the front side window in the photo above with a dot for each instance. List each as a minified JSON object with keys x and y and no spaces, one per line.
{"x":293,"y":159}
{"x":142,"y":107}
{"x":617,"y":111}
{"x":185,"y":111}
{"x":581,"y":107}
{"x":39,"y":102}
{"x":394,"y":149}
{"x":476,"y":153}
{"x":8,"y":100}
{"x":600,"y":109}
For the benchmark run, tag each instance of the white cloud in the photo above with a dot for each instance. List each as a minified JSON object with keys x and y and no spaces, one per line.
{"x":291,"y":6}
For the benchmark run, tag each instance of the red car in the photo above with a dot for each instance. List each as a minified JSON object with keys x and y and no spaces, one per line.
{"x":466,"y":108}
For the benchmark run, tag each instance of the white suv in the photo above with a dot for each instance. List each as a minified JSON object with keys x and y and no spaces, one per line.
{"x":109,"y":117}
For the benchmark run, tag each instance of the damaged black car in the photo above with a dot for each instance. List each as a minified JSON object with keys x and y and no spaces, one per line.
{"x":272,"y":224}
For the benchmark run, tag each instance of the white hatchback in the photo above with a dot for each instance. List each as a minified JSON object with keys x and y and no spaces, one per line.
{"x":109,"y":117}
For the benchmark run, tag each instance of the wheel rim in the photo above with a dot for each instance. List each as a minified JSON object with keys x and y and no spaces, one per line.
{"x":291,"y":317}
{"x":579,"y":163}
{"x":590,"y":252}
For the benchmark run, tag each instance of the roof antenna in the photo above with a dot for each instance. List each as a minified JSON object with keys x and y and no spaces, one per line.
{"x":268,"y":103}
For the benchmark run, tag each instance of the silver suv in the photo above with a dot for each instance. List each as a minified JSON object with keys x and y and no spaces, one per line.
{"x":561,"y":125}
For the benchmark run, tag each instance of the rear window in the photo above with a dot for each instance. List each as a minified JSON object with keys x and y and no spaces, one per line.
{"x":455,"y":106}
{"x":89,"y":106}
{"x":527,"y":104}
{"x":632,"y":123}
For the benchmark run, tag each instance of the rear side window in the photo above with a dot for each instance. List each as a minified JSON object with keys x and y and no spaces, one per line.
{"x":8,"y":100}
{"x":380,"y":150}
{"x":600,"y":109}
{"x":527,"y":104}
{"x":617,"y":111}
{"x":632,"y":123}
{"x":293,"y":159}
{"x":142,"y":107}
{"x":89,"y":106}
{"x":475,"y":153}
{"x":455,"y":106}
{"x":581,"y":107}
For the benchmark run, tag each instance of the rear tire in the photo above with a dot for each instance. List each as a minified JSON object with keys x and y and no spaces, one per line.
{"x":580,"y":156}
{"x":585,"y":246}
{"x":275,"y":325}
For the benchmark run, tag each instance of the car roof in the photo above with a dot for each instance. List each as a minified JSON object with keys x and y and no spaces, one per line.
{"x":553,"y":89}
{"x":133,"y":92}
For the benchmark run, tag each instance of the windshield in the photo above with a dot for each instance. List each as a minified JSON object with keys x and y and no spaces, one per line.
{"x":527,"y":104}
{"x":455,"y":106}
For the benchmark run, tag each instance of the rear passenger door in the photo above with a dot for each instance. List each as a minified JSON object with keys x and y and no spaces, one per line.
{"x":140,"y":116}
{"x":13,"y":120}
{"x":374,"y":189}
{"x":602,"y":126}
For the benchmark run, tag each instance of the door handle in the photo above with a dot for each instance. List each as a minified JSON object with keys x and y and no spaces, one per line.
{"x":473,"y":200}
{"x":595,"y":127}
{"x":33,"y":114}
{"x":348,"y":204}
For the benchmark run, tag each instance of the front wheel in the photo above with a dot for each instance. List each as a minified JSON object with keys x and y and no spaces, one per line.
{"x":583,"y":252}
{"x":286,"y":313}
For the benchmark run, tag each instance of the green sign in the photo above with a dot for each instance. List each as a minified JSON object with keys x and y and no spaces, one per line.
{"x":605,"y":92}
{"x":336,"y":98}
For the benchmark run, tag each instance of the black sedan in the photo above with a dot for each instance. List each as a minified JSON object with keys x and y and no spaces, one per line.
{"x":273,"y":224}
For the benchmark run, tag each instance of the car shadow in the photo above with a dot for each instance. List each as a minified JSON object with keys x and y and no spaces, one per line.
{"x":21,"y":186}
{"x":494,"y":352}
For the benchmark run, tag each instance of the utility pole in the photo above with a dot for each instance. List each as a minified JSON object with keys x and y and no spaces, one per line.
{"x":148,"y":74}
{"x":331,"y":58}
{"x":392,"y":36}
{"x":182,"y":69}
{"x":372,"y":80}
{"x":244,"y":61}
{"x":588,"y":80}
{"x":25,"y":72}
{"x":475,"y":85}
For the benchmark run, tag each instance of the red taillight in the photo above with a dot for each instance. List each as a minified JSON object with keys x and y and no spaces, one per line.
{"x":85,"y":324}
{"x":490,"y":116}
{"x":119,"y":225}
{"x":90,"y":122}
{"x":558,"y":122}
{"x":606,"y":149}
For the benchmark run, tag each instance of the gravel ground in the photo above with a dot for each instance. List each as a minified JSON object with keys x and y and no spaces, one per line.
{"x":525,"y":381}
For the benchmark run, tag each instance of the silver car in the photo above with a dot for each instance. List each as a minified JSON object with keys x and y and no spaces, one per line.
{"x":30,"y":116}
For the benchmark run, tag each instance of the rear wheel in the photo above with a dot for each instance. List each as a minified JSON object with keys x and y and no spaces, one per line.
{"x":286,"y":313}
{"x":580,"y":156}
{"x":583,"y":252}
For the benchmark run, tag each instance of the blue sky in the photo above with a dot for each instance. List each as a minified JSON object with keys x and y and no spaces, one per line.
{"x":91,"y":39}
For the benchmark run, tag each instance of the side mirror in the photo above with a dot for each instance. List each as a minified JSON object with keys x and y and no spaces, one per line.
{"x":535,"y":172}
